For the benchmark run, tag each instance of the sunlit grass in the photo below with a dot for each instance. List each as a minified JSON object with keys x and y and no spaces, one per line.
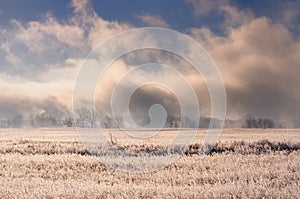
{"x":33,"y":164}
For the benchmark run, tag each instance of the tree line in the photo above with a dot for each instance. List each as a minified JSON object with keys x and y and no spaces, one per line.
{"x":88,"y":118}
{"x":252,"y":122}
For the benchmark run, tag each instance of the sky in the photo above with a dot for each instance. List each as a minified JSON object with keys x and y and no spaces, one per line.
{"x":255,"y":45}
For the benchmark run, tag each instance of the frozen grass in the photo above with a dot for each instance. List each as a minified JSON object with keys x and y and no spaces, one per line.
{"x":243,"y":164}
{"x":27,"y":147}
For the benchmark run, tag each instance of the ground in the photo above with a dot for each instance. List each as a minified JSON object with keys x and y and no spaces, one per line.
{"x":245,"y":163}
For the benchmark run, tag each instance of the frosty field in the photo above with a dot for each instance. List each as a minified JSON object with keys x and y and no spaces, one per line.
{"x":245,"y":163}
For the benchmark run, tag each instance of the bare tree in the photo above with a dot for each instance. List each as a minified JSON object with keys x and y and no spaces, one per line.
{"x":107,"y":122}
{"x":171,"y":121}
{"x":187,"y":122}
{"x":18,"y":121}
{"x":93,"y":118}
{"x":119,"y":122}
{"x":83,"y":116}
{"x":45,"y":120}
{"x":6,"y":123}
{"x":69,"y":122}
{"x":252,"y":122}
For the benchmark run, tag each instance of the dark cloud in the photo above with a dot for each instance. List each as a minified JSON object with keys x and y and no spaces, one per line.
{"x":146,"y":96}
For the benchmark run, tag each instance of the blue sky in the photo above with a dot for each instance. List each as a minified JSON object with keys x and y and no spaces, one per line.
{"x":178,"y":13}
{"x":255,"y":45}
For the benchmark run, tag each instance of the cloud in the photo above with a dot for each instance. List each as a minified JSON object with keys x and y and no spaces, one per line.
{"x":259,"y":62}
{"x":96,"y":28}
{"x":21,"y":96}
{"x":153,"y":20}
{"x":34,"y":35}
{"x":40,"y":59}
{"x":152,"y":93}
{"x":148,"y":95}
{"x":235,"y":17}
{"x":29,"y":48}
{"x":258,"y":59}
{"x":288,"y":15}
{"x":9,"y":57}
{"x":204,"y":7}
{"x":11,"y":106}
{"x":232,"y":16}
{"x":82,"y":7}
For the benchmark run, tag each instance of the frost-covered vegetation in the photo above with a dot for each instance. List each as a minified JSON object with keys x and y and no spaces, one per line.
{"x":242,"y":164}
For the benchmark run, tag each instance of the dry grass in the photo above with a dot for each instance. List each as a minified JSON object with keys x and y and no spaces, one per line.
{"x":53,"y":163}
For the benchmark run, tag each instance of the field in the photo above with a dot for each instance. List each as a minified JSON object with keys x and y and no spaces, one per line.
{"x":244,"y":163}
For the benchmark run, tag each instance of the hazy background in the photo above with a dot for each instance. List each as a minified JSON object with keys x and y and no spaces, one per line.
{"x":256,"y":46}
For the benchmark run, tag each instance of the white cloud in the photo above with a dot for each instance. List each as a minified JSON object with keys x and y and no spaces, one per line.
{"x":203,"y":7}
{"x":288,"y":15}
{"x":41,"y":58}
{"x":233,"y":16}
{"x":258,"y":59}
{"x":38,"y":36}
{"x":96,"y":28}
{"x":35,"y":45}
{"x":153,"y":20}
{"x":10,"y":58}
{"x":259,"y":62}
{"x":102,"y":30}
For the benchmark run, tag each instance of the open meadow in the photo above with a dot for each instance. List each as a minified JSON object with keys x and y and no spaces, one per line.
{"x":244,"y":163}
